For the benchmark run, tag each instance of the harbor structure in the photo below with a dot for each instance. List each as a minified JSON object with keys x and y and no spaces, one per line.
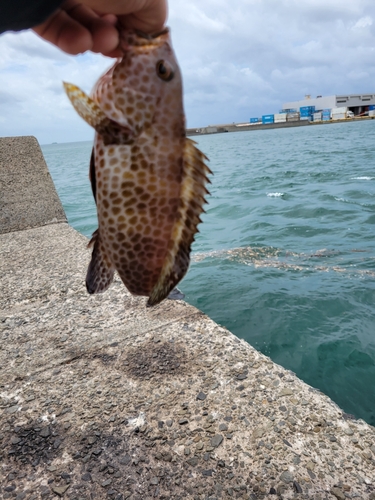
{"x":358,"y":104}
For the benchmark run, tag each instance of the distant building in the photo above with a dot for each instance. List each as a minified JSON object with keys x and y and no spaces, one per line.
{"x":358,"y":103}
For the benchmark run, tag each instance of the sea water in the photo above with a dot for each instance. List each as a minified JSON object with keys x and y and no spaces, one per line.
{"x":286,"y":254}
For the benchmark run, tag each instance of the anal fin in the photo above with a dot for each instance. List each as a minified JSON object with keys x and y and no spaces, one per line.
{"x":100,"y":272}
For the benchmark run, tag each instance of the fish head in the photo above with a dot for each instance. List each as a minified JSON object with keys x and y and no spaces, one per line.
{"x":144,"y":87}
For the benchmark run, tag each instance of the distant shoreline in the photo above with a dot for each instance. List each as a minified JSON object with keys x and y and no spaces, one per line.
{"x":244,"y":127}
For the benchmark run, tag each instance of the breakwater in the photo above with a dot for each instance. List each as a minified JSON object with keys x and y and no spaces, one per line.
{"x":102,"y":397}
{"x":245,"y":127}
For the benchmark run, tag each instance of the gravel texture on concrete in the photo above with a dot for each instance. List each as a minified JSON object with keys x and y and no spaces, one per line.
{"x":27,"y":194}
{"x":101,"y":397}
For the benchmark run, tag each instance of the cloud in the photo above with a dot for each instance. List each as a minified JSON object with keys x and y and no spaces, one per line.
{"x":363,"y":22}
{"x":238,"y":59}
{"x":32,"y":98}
{"x":288,"y":48}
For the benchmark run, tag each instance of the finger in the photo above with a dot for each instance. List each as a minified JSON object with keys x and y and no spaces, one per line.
{"x":110,"y":18}
{"x":149,"y":19}
{"x":66,"y":33}
{"x":105,"y":37}
{"x":144,"y":15}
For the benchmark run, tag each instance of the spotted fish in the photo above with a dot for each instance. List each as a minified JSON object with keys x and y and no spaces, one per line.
{"x":148,"y":179}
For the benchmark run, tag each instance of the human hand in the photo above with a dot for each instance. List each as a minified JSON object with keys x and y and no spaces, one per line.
{"x":83,"y":25}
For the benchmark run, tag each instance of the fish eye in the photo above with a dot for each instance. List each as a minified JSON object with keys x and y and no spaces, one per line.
{"x":164,"y":71}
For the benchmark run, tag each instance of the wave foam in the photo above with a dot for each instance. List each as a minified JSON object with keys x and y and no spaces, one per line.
{"x":275,"y":195}
{"x":362,"y":178}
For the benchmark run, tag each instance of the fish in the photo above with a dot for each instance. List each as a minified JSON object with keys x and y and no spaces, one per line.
{"x":148,"y":179}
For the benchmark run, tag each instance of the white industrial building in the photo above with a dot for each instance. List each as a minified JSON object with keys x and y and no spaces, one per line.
{"x":358,"y":103}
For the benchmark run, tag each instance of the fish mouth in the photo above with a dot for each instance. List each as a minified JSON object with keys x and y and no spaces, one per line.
{"x":139,"y":40}
{"x":148,"y":36}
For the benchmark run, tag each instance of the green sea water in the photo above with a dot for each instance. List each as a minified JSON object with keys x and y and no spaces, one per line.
{"x":286,"y":254}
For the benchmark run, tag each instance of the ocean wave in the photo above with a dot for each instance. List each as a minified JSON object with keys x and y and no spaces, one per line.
{"x":362,"y":178}
{"x":275,"y":195}
{"x":270,"y":257}
{"x":337,"y":198}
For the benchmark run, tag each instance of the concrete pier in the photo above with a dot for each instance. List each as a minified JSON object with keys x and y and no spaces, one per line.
{"x":101,"y":397}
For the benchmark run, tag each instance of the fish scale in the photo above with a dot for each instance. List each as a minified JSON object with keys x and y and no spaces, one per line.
{"x":148,"y":179}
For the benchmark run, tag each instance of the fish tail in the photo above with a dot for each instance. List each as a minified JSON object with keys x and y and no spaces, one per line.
{"x":100,"y":272}
{"x":192,"y":199}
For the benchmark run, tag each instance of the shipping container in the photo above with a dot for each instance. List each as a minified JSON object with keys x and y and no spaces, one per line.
{"x":317,"y":117}
{"x":339,"y":111}
{"x":371,"y":107}
{"x":371,"y":113}
{"x":254,"y":120}
{"x":306,"y":118}
{"x":267,"y":119}
{"x":289,"y":110}
{"x":338,"y":116}
{"x":292,"y":117}
{"x":326,"y":118}
{"x":279,"y":117}
{"x":308,"y":109}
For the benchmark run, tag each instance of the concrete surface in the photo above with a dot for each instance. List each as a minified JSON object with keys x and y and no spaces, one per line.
{"x":27,"y":195}
{"x":101,"y":397}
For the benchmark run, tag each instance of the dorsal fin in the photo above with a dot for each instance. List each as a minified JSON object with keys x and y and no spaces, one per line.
{"x":192,"y":199}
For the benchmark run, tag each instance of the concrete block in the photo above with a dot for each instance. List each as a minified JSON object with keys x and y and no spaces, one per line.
{"x":28,"y":197}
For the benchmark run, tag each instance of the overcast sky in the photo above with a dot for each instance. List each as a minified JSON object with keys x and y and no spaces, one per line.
{"x":239,"y":59}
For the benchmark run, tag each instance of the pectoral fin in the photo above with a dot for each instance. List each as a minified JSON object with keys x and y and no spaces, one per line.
{"x":90,"y":111}
{"x":100,"y":272}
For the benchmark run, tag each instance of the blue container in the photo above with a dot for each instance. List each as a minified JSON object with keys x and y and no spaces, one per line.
{"x":254,"y":120}
{"x":371,"y":107}
{"x":306,"y":113}
{"x":309,"y":109}
{"x":267,"y":119}
{"x":326,"y":118}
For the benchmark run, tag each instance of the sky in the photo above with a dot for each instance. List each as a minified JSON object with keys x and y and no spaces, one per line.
{"x":239,"y":59}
